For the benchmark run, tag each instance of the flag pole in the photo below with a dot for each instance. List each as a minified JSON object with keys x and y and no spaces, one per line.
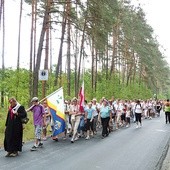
{"x":83,"y":68}
{"x":45,"y":98}
{"x":81,"y":93}
{"x":51,"y":94}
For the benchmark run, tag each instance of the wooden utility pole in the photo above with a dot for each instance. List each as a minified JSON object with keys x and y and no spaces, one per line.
{"x":48,"y":6}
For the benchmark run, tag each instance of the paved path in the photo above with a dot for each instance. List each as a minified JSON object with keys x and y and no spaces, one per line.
{"x":124,"y":149}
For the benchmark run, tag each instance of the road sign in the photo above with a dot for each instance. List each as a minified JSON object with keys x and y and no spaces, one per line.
{"x":43,"y":75}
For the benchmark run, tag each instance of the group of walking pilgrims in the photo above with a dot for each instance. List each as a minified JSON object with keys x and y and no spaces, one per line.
{"x":96,"y":118}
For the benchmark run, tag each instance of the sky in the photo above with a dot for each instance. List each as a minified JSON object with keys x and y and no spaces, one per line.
{"x":12,"y":8}
{"x":157,"y":15}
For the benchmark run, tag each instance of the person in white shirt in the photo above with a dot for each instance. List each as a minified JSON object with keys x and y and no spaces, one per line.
{"x":67,"y":117}
{"x":95,"y":106}
{"x":128,"y":116}
{"x":138,"y":113}
{"x":119,"y":110}
{"x":145,"y":109}
{"x":75,"y":118}
{"x":150,"y":109}
{"x":133,"y":104}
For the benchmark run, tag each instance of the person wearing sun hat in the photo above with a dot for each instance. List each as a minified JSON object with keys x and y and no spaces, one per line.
{"x":39,"y":118}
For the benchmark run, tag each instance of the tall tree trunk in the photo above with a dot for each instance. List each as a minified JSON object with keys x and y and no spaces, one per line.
{"x":68,"y":48}
{"x":76,"y":51}
{"x":95,"y":74}
{"x":140,"y":78}
{"x":3,"y":49}
{"x":75,"y":60}
{"x":92,"y":66}
{"x":134,"y":68}
{"x":1,"y":9}
{"x":119,"y":66}
{"x":107,"y":59}
{"x":115,"y":39}
{"x":19,"y":35}
{"x":129,"y":73}
{"x":124,"y":58}
{"x":94,"y":54}
{"x":59,"y":63}
{"x":32,"y":47}
{"x":39,"y":53}
{"x":51,"y":64}
{"x":35,"y":35}
{"x":48,"y":3}
{"x":129,"y":69}
{"x":19,"y":45}
{"x":81,"y":53}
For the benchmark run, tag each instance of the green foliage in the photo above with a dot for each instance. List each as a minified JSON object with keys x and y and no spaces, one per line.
{"x":16,"y":83}
{"x":2,"y":125}
{"x":113,"y":87}
{"x":107,"y":88}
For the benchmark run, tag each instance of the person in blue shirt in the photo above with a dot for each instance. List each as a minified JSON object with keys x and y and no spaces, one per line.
{"x":106,"y":116}
{"x":89,"y":115}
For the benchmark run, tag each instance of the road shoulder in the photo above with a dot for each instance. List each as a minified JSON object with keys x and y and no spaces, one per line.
{"x":166,"y":162}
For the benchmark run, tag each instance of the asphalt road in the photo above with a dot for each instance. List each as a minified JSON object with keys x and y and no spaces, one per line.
{"x":124,"y":149}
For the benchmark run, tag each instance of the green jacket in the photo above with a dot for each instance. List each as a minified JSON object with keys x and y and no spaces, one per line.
{"x":167,"y":109}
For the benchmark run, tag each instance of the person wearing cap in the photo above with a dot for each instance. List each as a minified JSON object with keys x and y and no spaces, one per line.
{"x":14,"y":128}
{"x":39,"y":118}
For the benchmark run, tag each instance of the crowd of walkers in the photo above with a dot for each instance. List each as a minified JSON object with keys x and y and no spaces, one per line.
{"x":103,"y":114}
{"x":107,"y":113}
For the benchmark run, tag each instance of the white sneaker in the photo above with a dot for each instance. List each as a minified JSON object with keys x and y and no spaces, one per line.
{"x":64,"y":138}
{"x":44,"y":138}
{"x":34,"y":148}
{"x":87,"y":138}
{"x":127,"y":126}
{"x":72,"y":140}
{"x":76,"y":138}
{"x":78,"y":135}
{"x":137,"y":126}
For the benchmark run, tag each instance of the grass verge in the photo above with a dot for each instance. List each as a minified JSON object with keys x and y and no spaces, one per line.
{"x":28,"y":133}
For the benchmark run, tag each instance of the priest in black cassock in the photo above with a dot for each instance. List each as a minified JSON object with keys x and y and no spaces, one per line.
{"x":14,"y":128}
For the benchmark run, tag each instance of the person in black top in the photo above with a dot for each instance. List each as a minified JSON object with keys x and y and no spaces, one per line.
{"x":14,"y":128}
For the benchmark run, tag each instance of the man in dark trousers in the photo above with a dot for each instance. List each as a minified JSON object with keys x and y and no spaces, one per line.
{"x":14,"y":128}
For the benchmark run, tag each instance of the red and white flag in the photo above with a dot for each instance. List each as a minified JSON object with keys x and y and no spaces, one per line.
{"x":82,"y":97}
